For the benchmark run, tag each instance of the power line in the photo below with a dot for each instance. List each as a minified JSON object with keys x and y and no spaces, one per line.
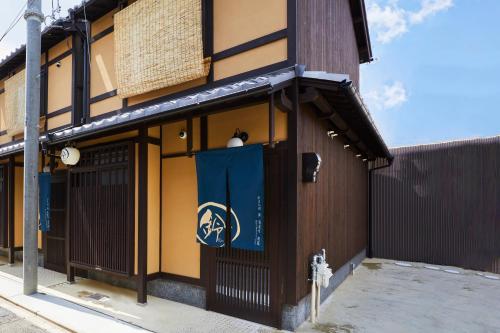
{"x":56,"y":11}
{"x":15,"y":21}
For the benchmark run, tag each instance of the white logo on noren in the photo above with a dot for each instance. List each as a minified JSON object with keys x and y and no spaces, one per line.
{"x":212,"y":224}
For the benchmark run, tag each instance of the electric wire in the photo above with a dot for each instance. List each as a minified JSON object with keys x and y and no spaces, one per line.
{"x":56,"y":11}
{"x":15,"y":21}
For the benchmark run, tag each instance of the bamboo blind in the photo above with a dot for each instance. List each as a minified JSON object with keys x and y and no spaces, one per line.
{"x":158,"y":44}
{"x":15,"y":94}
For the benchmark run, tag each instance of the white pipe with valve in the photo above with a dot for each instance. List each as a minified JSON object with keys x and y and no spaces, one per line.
{"x":320,"y":277}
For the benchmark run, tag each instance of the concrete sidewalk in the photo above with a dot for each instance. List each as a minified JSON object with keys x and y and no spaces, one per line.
{"x":92,"y":306}
{"x":69,"y":315}
{"x":389,"y":296}
{"x":382,"y":296}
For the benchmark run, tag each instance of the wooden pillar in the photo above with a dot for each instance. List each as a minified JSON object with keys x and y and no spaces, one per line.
{"x":4,"y":213}
{"x":271,"y":121}
{"x":11,"y":220}
{"x":190,"y":136}
{"x":142,"y":236}
{"x":204,"y":251}
{"x":291,"y":296}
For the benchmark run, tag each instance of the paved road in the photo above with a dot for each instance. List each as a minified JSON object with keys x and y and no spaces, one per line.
{"x":10,"y":322}
{"x":16,"y":320}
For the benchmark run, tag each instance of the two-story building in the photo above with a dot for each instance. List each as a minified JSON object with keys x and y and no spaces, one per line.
{"x":141,"y":88}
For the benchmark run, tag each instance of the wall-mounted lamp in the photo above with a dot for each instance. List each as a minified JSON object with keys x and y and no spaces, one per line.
{"x":346,"y":146}
{"x":311,"y":163}
{"x":238,"y":139}
{"x":58,"y":64}
{"x":69,"y":155}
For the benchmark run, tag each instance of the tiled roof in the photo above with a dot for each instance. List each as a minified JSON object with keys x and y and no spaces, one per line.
{"x":342,"y":95}
{"x":179,"y":104}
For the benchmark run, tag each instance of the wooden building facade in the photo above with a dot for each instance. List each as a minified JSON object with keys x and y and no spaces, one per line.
{"x":286,"y":72}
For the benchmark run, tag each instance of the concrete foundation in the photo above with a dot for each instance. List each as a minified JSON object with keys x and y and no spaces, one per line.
{"x":168,"y":289}
{"x":18,"y":255}
{"x":294,"y":315}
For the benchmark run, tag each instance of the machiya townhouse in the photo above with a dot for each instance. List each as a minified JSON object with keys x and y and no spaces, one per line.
{"x":201,"y":151}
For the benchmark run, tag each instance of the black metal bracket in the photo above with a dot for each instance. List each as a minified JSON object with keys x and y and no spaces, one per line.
{"x":78,"y":26}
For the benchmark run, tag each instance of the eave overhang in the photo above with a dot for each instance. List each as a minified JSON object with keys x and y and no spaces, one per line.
{"x":339,"y":104}
{"x":360,"y":22}
{"x":338,"y":101}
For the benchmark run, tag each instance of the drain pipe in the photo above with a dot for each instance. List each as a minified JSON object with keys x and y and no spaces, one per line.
{"x":369,"y":251}
{"x":317,"y":261}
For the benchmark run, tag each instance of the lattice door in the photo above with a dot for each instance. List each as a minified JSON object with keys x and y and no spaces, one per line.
{"x":246,"y":284}
{"x":102,"y":209}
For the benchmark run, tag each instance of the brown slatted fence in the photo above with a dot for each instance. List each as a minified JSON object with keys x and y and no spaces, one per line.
{"x":440,"y":204}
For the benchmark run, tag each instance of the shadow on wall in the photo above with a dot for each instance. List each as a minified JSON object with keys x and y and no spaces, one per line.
{"x":440,"y":204}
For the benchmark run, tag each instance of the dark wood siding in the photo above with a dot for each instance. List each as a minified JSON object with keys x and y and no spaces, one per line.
{"x":326,"y":39}
{"x":440,"y":204}
{"x":4,"y":200}
{"x":332,"y":213}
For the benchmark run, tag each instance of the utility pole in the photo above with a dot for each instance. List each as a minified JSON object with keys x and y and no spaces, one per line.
{"x":34,"y":19}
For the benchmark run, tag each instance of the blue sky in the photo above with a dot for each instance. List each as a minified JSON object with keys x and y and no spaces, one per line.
{"x":437,"y":71}
{"x":436,"y":76}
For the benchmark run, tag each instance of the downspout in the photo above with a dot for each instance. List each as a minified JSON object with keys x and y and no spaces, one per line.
{"x":86,"y":74}
{"x":369,"y":251}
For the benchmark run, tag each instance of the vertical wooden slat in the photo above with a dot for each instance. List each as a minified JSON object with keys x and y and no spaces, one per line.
{"x":271,"y":120}
{"x":70,"y":272}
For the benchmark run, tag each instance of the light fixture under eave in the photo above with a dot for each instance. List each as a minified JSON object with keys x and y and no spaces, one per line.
{"x":234,"y":142}
{"x":238,"y":139}
{"x":70,"y":156}
{"x":331,"y":134}
{"x":346,"y":146}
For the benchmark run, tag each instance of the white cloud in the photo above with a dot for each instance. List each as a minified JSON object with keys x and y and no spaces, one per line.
{"x":394,"y":95}
{"x":429,"y":8}
{"x":391,"y":21}
{"x":388,"y":22}
{"x":388,"y":97}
